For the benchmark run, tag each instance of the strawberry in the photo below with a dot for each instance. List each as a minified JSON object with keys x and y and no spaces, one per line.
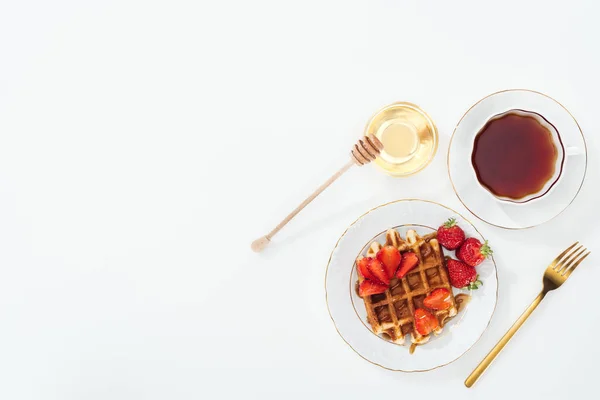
{"x":472,"y":252}
{"x":367,"y":288}
{"x":425,"y":322}
{"x":363,"y":268}
{"x":390,"y":257}
{"x":462,"y":275}
{"x":408,"y":262}
{"x":439,"y":299}
{"x":377,"y":270}
{"x":450,"y":235}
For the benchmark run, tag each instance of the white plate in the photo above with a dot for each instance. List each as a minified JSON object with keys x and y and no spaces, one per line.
{"x":480,"y":201}
{"x":347,"y":309}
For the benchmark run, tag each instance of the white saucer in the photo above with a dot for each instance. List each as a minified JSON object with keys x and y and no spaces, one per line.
{"x":480,"y":201}
{"x":347,"y":309}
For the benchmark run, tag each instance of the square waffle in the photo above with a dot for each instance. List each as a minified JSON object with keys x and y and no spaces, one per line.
{"x":391,"y":313}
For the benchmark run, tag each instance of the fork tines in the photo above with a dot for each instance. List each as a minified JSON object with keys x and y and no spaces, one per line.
{"x":569,"y":259}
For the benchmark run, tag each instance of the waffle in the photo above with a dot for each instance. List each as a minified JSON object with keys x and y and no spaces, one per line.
{"x":391,"y":313}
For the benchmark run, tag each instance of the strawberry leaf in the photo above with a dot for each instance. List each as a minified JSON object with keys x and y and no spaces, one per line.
{"x":450,"y":223}
{"x":475,"y":284}
{"x":486,"y":250}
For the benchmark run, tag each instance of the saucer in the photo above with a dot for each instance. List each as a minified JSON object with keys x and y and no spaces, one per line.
{"x":347,"y":310}
{"x":483,"y":204}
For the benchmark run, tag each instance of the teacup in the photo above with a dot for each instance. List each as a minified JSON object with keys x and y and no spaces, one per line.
{"x":518,"y":156}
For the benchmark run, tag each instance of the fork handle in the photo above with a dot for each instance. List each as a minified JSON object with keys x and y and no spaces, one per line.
{"x":500,"y":345}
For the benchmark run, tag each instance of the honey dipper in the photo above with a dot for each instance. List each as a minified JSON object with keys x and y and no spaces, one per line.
{"x":363,"y":152}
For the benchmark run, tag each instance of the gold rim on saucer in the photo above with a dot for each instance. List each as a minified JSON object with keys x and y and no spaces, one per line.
{"x":452,"y":138}
{"x":327,"y":271}
{"x":409,"y":137}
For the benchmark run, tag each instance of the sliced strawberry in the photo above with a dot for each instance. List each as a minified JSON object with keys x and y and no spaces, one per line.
{"x":439,"y":299}
{"x":425,"y":322}
{"x":367,"y":288}
{"x":363,"y":268}
{"x":377,"y":270}
{"x":409,"y":261}
{"x":390,"y":258}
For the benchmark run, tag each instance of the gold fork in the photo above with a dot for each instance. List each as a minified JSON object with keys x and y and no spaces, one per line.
{"x":555,"y":275}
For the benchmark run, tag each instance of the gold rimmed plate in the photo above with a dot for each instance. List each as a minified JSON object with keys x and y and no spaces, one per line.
{"x":480,"y":201}
{"x":346,"y":308}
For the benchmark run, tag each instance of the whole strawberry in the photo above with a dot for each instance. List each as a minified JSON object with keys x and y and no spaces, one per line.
{"x":450,"y":235}
{"x":472,"y":252}
{"x":462,"y":275}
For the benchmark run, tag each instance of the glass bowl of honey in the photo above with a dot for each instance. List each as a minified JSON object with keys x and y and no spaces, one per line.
{"x":409,"y":137}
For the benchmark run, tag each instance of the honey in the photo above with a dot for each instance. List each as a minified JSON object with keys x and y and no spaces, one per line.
{"x":408,"y":135}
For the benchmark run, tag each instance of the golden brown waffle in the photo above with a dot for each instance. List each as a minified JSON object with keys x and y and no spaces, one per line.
{"x":391,"y":313}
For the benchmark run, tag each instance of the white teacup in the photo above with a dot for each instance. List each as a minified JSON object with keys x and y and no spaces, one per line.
{"x":558,"y":167}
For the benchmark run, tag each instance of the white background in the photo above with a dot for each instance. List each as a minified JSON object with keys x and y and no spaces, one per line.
{"x":145,"y":144}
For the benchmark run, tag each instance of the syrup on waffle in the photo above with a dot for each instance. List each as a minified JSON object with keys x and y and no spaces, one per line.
{"x":391,"y":314}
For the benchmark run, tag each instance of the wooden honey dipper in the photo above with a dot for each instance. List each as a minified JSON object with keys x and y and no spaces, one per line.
{"x":363,"y":152}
